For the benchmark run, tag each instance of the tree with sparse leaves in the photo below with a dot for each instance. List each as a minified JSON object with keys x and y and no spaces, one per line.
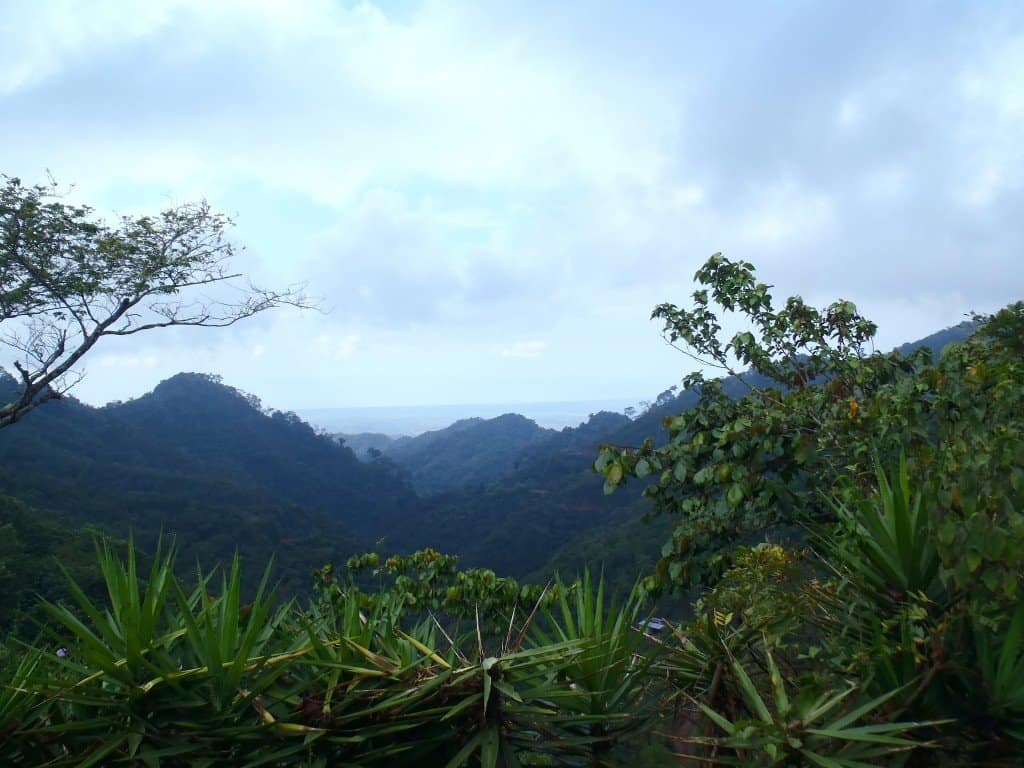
{"x":68,"y":279}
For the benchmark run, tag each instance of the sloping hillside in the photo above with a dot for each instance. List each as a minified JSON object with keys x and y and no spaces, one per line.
{"x":469,"y":453}
{"x":201,"y":461}
{"x":552,"y":511}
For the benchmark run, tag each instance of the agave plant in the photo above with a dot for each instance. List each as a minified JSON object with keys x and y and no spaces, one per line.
{"x":100,"y":706}
{"x":364,"y":690}
{"x":515,"y":705}
{"x":608,"y":679}
{"x":805,"y":726}
{"x":992,"y":685}
{"x":155,"y":673}
{"x":167,"y":677}
{"x":21,"y":713}
{"x":884,"y":612}
{"x":889,"y":550}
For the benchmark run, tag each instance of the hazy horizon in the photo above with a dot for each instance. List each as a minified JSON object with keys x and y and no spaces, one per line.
{"x":412,"y":420}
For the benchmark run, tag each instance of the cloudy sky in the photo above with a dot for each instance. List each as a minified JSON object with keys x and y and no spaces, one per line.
{"x":490,"y":200}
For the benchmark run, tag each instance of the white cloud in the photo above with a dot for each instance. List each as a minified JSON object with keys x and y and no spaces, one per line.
{"x":40,"y":39}
{"x":330,"y":99}
{"x":991,"y":96}
{"x":451,"y":176}
{"x":525,"y":349}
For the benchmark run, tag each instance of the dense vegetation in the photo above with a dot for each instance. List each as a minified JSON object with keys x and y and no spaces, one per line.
{"x":469,"y":452}
{"x":200,"y":460}
{"x":849,"y":525}
{"x":886,"y":491}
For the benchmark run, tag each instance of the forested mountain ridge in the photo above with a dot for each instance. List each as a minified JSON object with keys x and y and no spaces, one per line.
{"x":368,"y":445}
{"x":31,"y":541}
{"x":551,"y":510}
{"x":467,"y":453}
{"x":201,"y":461}
{"x":476,"y":451}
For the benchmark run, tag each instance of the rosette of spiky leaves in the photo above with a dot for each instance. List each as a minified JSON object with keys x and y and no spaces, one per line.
{"x":692,"y":656}
{"x":888,"y":549}
{"x":99,"y":707}
{"x":158,"y":676}
{"x":992,"y":687}
{"x":366,"y":691}
{"x":21,"y":710}
{"x":802,"y":723}
{"x":607,"y":679}
{"x":231,"y":654}
{"x":694,"y":660}
{"x":514,"y":703}
{"x":884,"y":612}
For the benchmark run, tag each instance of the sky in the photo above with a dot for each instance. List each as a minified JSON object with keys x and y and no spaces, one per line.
{"x":489,"y":199}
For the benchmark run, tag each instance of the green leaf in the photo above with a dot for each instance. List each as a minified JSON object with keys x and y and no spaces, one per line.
{"x":614,"y":475}
{"x":735,"y":494}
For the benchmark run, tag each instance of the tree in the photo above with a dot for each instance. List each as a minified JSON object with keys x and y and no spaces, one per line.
{"x":808,"y":410}
{"x":68,"y":278}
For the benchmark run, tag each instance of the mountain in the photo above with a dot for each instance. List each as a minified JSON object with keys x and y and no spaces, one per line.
{"x":938,"y":341}
{"x":202,"y":461}
{"x":205,"y":462}
{"x":366,"y":445}
{"x":517,"y":524}
{"x":475,"y":452}
{"x":470,"y":452}
{"x":551,"y":511}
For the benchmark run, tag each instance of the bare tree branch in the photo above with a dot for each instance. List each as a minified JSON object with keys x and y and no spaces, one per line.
{"x":67,"y":279}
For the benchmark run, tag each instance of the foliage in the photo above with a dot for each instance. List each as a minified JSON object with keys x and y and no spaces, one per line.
{"x":31,"y":546}
{"x":428,"y":580}
{"x":609,"y":677}
{"x":908,"y":474}
{"x":68,"y":279}
{"x":737,"y":466}
{"x":761,"y":589}
{"x":807,"y":726}
{"x":159,"y":674}
{"x":853,"y":521}
{"x":891,"y":550}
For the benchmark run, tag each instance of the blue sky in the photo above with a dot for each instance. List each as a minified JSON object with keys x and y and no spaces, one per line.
{"x":491,"y":198}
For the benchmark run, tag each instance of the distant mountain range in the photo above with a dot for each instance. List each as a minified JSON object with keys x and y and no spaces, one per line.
{"x":415,"y":419}
{"x":205,"y":462}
